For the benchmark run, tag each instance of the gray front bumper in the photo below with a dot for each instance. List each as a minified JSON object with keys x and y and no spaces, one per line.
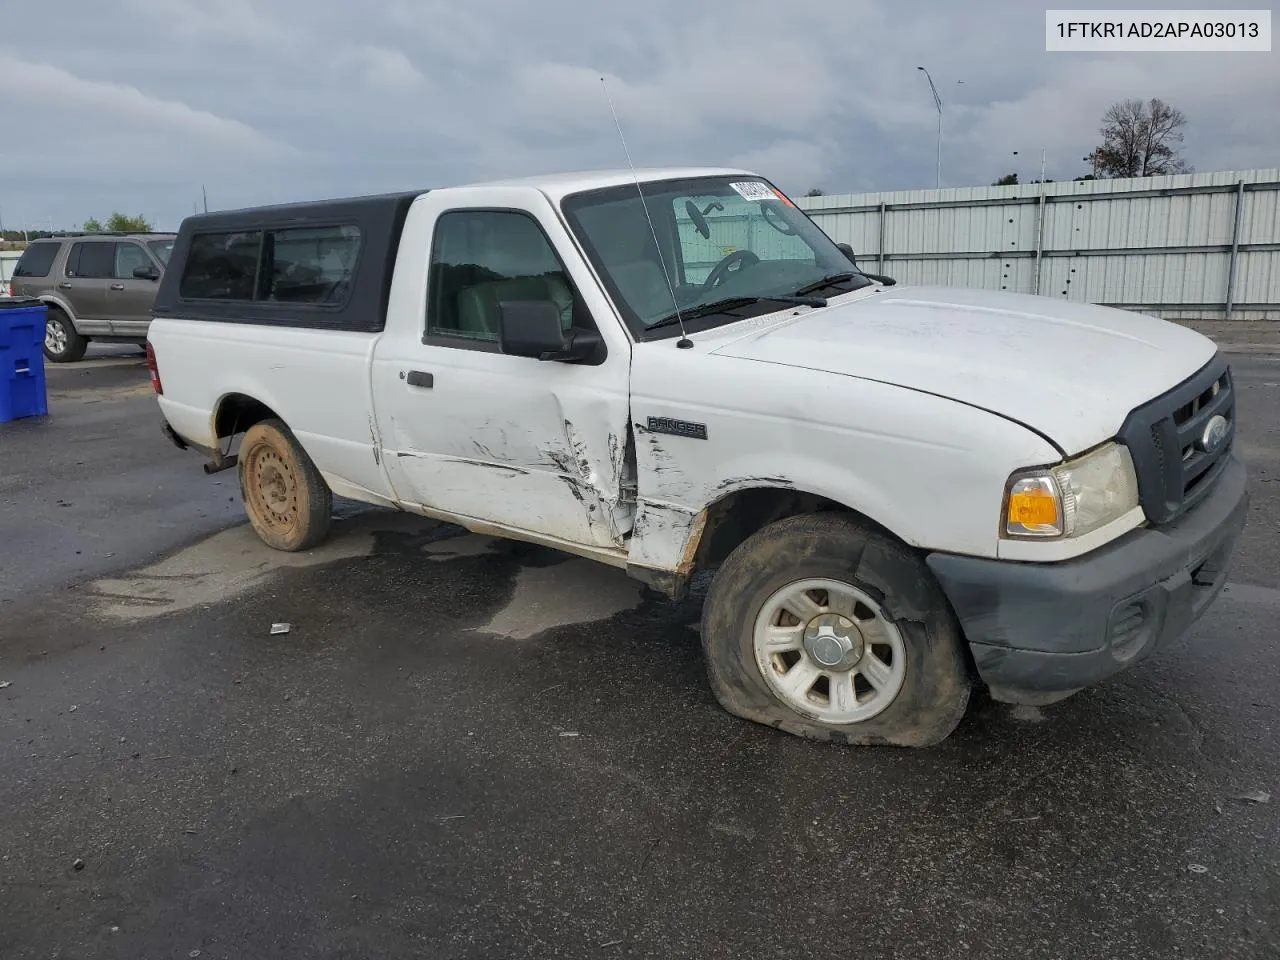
{"x":1041,"y":631}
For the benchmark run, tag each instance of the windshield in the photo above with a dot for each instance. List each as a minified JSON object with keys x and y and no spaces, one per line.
{"x":734,"y":240}
{"x":161,"y":249}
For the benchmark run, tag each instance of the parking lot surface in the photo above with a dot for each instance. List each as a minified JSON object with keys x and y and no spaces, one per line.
{"x":465,"y":748}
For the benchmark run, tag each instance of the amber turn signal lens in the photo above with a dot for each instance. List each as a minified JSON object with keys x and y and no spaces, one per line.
{"x":1033,"y":508}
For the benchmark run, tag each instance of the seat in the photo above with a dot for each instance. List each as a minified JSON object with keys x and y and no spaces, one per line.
{"x":479,"y":305}
{"x":518,"y":252}
{"x":623,"y":240}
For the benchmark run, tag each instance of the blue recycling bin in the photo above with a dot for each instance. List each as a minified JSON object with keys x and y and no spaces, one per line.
{"x":22,"y":386}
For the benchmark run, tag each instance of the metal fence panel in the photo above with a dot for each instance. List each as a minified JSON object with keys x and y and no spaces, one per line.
{"x":1203,"y":245}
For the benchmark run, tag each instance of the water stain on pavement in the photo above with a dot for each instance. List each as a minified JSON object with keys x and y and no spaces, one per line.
{"x":576,"y":591}
{"x":221,"y":567}
{"x":551,"y":589}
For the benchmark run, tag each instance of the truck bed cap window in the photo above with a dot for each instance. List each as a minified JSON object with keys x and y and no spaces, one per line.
{"x":221,"y":266}
{"x":321,"y":265}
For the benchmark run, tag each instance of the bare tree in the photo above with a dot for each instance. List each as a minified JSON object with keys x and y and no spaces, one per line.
{"x":1140,"y":140}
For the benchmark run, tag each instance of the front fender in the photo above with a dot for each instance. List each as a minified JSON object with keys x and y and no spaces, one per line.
{"x":665,"y":535}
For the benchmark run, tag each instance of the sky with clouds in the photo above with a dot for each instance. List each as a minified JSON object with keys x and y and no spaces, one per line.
{"x":135,"y":104}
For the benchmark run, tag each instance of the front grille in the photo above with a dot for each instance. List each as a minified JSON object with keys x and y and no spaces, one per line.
{"x":1164,"y":438}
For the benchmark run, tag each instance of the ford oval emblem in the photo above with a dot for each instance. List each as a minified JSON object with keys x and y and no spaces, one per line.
{"x":1215,"y":434}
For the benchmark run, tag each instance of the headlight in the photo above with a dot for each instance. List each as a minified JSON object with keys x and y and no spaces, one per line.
{"x":1073,"y":498}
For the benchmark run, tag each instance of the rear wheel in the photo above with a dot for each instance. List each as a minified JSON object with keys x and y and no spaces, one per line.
{"x":823,"y":627}
{"x":61,"y":342}
{"x":287,"y":500}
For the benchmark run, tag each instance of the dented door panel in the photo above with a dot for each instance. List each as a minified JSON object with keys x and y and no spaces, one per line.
{"x":513,"y":441}
{"x":537,"y":446}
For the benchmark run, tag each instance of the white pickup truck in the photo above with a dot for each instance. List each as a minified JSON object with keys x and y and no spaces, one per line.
{"x":902,"y":491}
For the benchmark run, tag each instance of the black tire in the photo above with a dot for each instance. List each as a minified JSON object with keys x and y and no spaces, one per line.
{"x":834,"y":546}
{"x":60,"y":330}
{"x":286,"y":499}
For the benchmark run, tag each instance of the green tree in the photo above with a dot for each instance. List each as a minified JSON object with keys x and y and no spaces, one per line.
{"x":814,"y":192}
{"x":1008,"y":180}
{"x":1139,"y":139}
{"x":92,"y":225}
{"x":121,"y":223}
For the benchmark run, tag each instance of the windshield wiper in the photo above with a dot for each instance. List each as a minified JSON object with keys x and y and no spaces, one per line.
{"x":827,"y":282}
{"x":732,"y":303}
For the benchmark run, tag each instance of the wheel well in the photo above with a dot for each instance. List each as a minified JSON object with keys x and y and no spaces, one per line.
{"x":733,"y":519}
{"x":237,"y":412}
{"x":736,"y":517}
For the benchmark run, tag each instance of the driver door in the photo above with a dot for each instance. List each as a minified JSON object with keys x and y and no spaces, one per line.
{"x":529,"y":445}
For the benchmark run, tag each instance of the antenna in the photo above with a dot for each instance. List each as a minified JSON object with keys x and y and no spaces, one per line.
{"x":684,"y":343}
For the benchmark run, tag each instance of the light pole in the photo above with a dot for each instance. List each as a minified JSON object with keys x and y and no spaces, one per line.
{"x":937,"y":102}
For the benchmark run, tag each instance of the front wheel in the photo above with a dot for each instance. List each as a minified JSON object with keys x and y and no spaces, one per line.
{"x":825,"y":628}
{"x":287,"y":500}
{"x":62,"y":344}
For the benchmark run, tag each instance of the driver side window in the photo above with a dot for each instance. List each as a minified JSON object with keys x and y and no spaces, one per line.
{"x":129,"y":257}
{"x":479,"y":258}
{"x":732,"y":224}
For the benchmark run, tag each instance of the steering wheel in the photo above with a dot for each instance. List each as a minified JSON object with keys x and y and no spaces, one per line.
{"x":774,"y":219}
{"x":720,"y":272}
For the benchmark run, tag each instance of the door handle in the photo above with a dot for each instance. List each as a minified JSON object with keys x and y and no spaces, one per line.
{"x":117,"y":286}
{"x":420,"y":378}
{"x":64,"y":285}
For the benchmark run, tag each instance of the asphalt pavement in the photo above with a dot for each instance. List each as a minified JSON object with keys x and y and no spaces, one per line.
{"x":95,"y":486}
{"x":465,"y":748}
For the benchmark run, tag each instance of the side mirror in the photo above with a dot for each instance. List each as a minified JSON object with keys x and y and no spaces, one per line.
{"x":848,"y":252}
{"x":145,"y":273}
{"x":531,"y":328}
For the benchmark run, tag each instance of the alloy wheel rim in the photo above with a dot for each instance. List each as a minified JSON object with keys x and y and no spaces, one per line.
{"x":55,"y":337}
{"x":828,"y":651}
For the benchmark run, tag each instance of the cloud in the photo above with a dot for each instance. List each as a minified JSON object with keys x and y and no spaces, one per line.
{"x":268,"y":100}
{"x":1061,"y":112}
{"x":42,"y":87}
{"x":790,"y":161}
{"x":243,"y":21}
{"x":384,"y":69}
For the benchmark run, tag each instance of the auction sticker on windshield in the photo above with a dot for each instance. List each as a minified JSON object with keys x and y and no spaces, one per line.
{"x":754,"y":190}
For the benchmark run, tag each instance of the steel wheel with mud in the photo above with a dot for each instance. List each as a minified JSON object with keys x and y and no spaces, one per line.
{"x":287,"y":500}
{"x":823,"y":627}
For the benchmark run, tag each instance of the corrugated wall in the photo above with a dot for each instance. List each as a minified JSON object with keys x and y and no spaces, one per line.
{"x":1201,"y":245}
{"x":8,"y":260}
